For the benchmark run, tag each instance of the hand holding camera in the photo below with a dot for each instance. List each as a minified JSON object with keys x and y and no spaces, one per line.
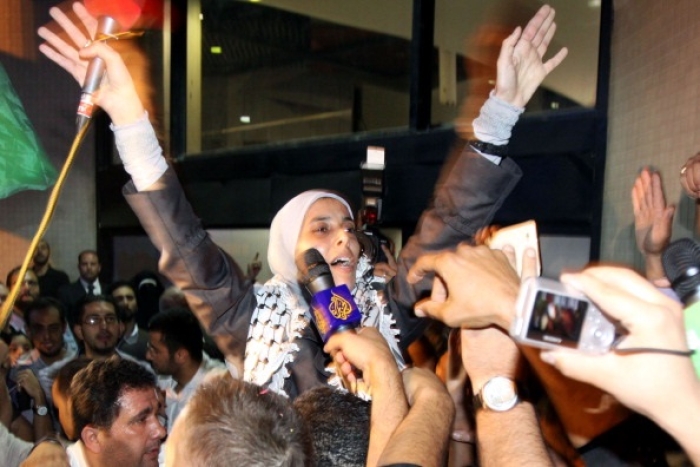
{"x":552,"y":315}
{"x":650,"y":367}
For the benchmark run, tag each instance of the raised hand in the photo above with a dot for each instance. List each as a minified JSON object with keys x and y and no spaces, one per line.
{"x":652,"y":222}
{"x":117,"y":94}
{"x":652,"y":216}
{"x":521,"y":66}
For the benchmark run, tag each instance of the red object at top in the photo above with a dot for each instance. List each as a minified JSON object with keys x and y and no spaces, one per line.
{"x":370,"y":215}
{"x":124,"y":12}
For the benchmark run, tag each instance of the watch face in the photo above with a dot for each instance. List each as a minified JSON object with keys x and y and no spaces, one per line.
{"x":42,"y":410}
{"x":500,"y":394}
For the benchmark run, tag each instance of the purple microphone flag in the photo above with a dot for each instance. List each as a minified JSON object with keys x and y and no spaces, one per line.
{"x":335,"y":309}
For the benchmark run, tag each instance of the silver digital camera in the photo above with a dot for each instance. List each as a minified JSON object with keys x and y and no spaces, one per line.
{"x":552,"y":315}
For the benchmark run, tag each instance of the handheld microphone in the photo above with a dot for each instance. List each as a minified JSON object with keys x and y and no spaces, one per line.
{"x":333,"y":307}
{"x":681,"y":261}
{"x":113,"y":16}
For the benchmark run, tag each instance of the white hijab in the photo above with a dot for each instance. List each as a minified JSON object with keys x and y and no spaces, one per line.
{"x":284,"y":233}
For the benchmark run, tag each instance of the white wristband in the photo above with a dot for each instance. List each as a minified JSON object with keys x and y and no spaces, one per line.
{"x":140,"y":152}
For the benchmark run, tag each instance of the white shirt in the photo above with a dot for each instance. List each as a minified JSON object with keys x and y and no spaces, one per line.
{"x":76,"y":455}
{"x":176,"y":401}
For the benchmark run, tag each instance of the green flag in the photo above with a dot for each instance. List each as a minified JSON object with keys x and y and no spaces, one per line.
{"x":23,"y":162}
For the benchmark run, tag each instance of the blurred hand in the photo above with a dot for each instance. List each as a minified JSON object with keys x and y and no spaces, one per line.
{"x":690,"y":176}
{"x":473,"y":287}
{"x":387,"y":270}
{"x":484,"y":234}
{"x":652,"y":216}
{"x":254,"y":268}
{"x":47,"y":454}
{"x":28,"y":382}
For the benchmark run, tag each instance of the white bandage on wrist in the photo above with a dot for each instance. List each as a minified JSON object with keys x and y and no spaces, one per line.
{"x":140,"y":152}
{"x":496,"y":120}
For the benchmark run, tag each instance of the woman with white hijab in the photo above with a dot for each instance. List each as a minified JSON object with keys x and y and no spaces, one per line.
{"x":268,"y":337}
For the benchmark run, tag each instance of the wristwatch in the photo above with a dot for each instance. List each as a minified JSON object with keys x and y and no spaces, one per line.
{"x":41,"y":410}
{"x":499,"y":394}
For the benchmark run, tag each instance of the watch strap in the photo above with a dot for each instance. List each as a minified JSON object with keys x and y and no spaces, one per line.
{"x":488,"y":148}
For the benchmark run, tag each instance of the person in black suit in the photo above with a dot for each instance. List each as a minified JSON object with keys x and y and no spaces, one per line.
{"x":87,"y":284}
{"x":50,"y":279}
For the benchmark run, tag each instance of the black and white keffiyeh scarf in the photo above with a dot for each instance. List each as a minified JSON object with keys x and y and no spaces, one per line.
{"x":283,"y":313}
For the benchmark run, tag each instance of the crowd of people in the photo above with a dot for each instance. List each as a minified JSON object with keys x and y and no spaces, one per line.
{"x":219,"y":370}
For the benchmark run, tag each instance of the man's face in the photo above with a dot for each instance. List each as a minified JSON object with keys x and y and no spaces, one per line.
{"x":29,"y":289}
{"x":158,"y":354}
{"x":46,"y":330}
{"x":42,"y":253}
{"x":99,"y":328}
{"x":329,"y":228}
{"x":126,"y":301}
{"x":89,"y":267}
{"x":136,"y":434}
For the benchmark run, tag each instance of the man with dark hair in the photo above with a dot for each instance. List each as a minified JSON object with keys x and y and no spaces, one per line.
{"x":339,"y":424}
{"x":46,"y":327}
{"x":134,"y":341}
{"x":28,"y":292}
{"x":98,"y":326}
{"x":175,"y":353}
{"x":87,"y":284}
{"x":115,"y":415}
{"x":232,"y":422}
{"x":50,"y":279}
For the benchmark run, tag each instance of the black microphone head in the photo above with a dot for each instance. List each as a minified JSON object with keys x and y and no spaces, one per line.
{"x":314,"y":272}
{"x":681,"y":261}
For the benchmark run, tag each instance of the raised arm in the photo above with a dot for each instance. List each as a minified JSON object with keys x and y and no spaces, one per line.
{"x":367,"y":351}
{"x":473,"y":184}
{"x":213,"y":283}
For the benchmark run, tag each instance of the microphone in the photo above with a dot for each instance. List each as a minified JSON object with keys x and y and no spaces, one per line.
{"x":113,"y":16}
{"x":333,"y":307}
{"x":681,"y":261}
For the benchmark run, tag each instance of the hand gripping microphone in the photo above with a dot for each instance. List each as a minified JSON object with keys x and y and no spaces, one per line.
{"x":681,"y":261}
{"x":113,"y":16}
{"x":333,"y":307}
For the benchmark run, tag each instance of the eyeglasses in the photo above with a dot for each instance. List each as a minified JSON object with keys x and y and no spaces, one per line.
{"x":96,"y":320}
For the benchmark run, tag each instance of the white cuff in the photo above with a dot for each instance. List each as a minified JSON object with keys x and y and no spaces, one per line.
{"x":496,"y":120}
{"x":140,"y":152}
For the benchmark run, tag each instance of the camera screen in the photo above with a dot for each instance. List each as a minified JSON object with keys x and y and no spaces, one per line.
{"x":557,"y":319}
